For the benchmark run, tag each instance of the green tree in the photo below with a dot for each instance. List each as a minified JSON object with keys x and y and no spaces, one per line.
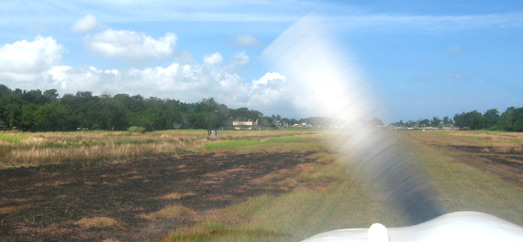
{"x":491,"y":118}
{"x":52,"y":117}
{"x":4,"y":90}
{"x":244,"y":114}
{"x":28,"y":118}
{"x":471,"y":120}
{"x":518,"y":120}
{"x":436,"y":122}
{"x":512,"y":119}
{"x":459,"y":120}
{"x":51,"y":94}
{"x":446,"y":121}
{"x":424,"y":123}
{"x":13,"y":109}
{"x":115,"y":114}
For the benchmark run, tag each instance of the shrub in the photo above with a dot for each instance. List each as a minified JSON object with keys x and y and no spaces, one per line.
{"x":136,"y":129}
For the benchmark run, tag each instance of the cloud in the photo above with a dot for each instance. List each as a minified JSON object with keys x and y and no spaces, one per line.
{"x":85,"y":24}
{"x":214,"y":58}
{"x":186,"y":82}
{"x":246,"y":40}
{"x":269,"y":92}
{"x":238,"y":61}
{"x":268,"y":78}
{"x":129,"y":45}
{"x":24,"y":59}
{"x":30,"y":65}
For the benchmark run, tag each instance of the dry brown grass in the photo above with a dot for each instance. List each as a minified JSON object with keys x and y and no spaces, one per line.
{"x":96,"y":222}
{"x":12,"y":209}
{"x":504,"y":141}
{"x":50,"y":229}
{"x":111,"y":240}
{"x":30,"y":149}
{"x":176,"y":196}
{"x":171,"y":212}
{"x":33,"y":149}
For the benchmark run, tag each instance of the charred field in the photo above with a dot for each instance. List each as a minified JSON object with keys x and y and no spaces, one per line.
{"x":239,"y":186}
{"x":54,"y":202}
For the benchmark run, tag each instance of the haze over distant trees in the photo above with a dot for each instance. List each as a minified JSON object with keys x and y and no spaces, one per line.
{"x":35,"y":110}
{"x":510,"y":120}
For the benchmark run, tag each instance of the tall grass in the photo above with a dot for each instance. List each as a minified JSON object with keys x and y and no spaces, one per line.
{"x":14,"y":138}
{"x":33,"y":149}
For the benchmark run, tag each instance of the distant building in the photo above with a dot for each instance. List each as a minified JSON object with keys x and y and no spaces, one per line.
{"x":245,"y":125}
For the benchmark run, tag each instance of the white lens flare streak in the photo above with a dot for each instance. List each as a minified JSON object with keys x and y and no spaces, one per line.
{"x":327,"y":83}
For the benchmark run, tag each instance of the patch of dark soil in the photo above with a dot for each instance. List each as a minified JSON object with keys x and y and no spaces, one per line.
{"x":484,"y":149}
{"x":46,"y":203}
{"x":512,"y":161}
{"x":508,"y":165}
{"x":466,"y":148}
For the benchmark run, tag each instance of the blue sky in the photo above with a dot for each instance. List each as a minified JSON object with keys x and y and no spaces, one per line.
{"x":421,"y":58}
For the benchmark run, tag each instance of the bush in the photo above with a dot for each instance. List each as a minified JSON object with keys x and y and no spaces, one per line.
{"x":136,"y":129}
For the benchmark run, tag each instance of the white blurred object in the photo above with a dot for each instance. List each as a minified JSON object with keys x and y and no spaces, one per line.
{"x":378,"y":233}
{"x":325,"y":80}
{"x":456,"y":226}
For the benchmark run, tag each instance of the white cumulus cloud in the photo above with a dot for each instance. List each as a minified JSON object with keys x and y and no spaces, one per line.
{"x":247,"y":40}
{"x":269,"y":90}
{"x":124,"y":44}
{"x":85,"y":24}
{"x":36,"y":64}
{"x":214,"y":58}
{"x":24,"y":59}
{"x":239,"y":60}
{"x":268,"y":78}
{"x":187,"y":82}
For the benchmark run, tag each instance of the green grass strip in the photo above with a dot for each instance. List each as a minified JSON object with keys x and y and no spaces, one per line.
{"x":233,"y":144}
{"x":230,"y":144}
{"x":11,"y":139}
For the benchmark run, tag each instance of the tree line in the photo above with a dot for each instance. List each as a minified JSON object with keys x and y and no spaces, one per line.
{"x":510,"y":120}
{"x":35,"y":110}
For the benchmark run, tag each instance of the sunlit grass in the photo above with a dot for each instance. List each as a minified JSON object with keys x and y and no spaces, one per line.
{"x":324,"y":195}
{"x":32,"y":149}
{"x":230,"y":144}
{"x":463,"y":187}
{"x":97,"y":222}
{"x":327,"y":196}
{"x":11,"y":137}
{"x":289,"y":143}
{"x":325,"y":199}
{"x":171,"y":212}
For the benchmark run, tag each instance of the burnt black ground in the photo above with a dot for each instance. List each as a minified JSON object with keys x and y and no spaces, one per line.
{"x":43,"y":203}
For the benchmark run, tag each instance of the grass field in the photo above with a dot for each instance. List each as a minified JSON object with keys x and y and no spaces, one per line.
{"x":34,"y":149}
{"x":478,"y":171}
